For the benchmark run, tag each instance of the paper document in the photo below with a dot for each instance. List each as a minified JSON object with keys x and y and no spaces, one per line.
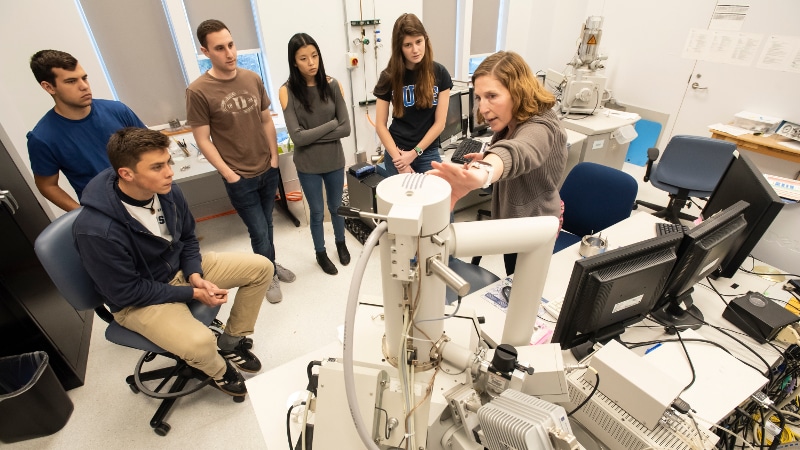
{"x":784,"y":187}
{"x":620,"y":114}
{"x":494,"y":296}
{"x":730,"y":129}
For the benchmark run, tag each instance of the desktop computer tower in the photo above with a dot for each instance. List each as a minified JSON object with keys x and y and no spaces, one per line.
{"x":362,"y":193}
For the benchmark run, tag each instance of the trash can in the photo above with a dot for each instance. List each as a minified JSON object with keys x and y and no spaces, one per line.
{"x":32,"y":401}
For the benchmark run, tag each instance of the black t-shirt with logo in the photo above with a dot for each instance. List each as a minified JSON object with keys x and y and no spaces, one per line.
{"x":408,"y":130}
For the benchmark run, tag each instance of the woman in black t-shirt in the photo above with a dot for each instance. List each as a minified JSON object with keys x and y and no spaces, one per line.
{"x":419,"y":90}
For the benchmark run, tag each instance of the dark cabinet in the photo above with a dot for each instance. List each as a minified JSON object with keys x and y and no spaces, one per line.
{"x":33,"y":314}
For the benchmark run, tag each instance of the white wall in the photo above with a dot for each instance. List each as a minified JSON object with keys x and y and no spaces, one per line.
{"x":52,"y":24}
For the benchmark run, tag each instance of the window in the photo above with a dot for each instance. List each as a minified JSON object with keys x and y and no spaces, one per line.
{"x":136,"y":47}
{"x":247,"y":59}
{"x":145,"y":48}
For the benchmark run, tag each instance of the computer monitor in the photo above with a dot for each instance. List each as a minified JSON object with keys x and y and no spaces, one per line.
{"x":453,"y":128}
{"x":702,"y":251}
{"x":475,"y":128}
{"x":475,"y":61}
{"x":744,"y":181}
{"x":612,"y":290}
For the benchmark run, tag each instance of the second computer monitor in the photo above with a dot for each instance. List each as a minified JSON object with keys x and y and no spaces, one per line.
{"x":702,"y":251}
{"x":475,"y":128}
{"x":453,"y":126}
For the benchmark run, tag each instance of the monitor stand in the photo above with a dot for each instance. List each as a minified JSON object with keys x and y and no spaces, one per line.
{"x":581,"y":351}
{"x":673,"y":314}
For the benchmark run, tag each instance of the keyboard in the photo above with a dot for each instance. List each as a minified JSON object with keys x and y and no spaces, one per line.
{"x":553,"y":307}
{"x":669,"y":228}
{"x":465,"y":147}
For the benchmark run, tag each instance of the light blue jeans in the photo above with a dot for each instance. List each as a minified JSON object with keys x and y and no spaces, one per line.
{"x":312,"y":190}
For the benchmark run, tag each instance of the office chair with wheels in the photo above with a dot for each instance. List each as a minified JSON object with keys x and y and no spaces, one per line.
{"x":595,"y":197}
{"x":475,"y":275}
{"x":56,"y":250}
{"x":690,"y":167}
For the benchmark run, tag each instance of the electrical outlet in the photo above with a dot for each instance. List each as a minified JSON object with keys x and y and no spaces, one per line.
{"x":351,"y":60}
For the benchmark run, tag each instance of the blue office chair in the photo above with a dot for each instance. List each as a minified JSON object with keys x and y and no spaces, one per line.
{"x":595,"y":197}
{"x":56,"y":250}
{"x":690,"y":167}
{"x":475,"y":275}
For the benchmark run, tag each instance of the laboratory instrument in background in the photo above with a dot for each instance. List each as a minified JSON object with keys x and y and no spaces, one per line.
{"x":582,"y":86}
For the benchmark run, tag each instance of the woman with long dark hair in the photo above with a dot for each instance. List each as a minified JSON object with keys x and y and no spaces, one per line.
{"x":419,"y":90}
{"x":316,"y":119}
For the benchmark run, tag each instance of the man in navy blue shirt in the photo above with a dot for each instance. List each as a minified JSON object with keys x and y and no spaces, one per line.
{"x":72,"y":137}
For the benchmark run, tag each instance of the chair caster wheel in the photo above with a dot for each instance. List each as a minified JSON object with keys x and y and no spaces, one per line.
{"x":238,"y":399}
{"x":134,"y":388}
{"x":162,"y":429}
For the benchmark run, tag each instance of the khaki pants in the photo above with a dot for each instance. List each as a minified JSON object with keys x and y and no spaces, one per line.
{"x":172,"y":327}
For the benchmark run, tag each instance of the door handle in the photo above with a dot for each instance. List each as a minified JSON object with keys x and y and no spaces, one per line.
{"x":7,"y":199}
{"x":697,"y":86}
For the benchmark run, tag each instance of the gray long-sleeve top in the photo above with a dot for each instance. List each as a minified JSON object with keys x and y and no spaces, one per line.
{"x":534,"y":157}
{"x":316,"y":134}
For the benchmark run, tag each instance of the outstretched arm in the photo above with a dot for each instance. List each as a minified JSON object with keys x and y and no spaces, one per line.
{"x":465,"y":178}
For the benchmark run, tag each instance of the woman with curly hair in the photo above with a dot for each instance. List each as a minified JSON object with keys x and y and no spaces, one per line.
{"x":528,"y":151}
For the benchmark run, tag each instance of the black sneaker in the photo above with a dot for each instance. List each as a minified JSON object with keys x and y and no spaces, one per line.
{"x":232,"y":382}
{"x":241,"y":355}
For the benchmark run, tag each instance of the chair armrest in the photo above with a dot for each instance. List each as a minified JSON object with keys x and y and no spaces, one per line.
{"x":104,"y":314}
{"x":652,"y":156}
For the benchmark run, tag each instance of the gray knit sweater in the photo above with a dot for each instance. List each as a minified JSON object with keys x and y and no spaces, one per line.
{"x":534,"y":157}
{"x":316,"y":135}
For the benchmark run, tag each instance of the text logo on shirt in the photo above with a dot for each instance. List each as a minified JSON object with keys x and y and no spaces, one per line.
{"x":239,"y":102}
{"x":408,"y":95}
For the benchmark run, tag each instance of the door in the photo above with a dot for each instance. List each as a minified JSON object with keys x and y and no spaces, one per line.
{"x":716,"y":91}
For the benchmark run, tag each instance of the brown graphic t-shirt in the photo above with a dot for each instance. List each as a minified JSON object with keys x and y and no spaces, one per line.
{"x":232,"y":108}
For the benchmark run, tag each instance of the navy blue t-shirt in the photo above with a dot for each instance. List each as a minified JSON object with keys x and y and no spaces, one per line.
{"x":408,"y":130}
{"x":77,"y":147}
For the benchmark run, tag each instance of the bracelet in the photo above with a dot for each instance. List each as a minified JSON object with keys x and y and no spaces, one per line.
{"x":488,"y":168}
{"x":418,"y":150}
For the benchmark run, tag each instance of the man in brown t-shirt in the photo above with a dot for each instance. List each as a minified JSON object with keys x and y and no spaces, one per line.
{"x":229,"y":104}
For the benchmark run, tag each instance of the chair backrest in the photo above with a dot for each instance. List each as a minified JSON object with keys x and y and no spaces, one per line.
{"x":648,"y":133}
{"x":694,"y":163}
{"x":56,"y":250}
{"x":596,"y":197}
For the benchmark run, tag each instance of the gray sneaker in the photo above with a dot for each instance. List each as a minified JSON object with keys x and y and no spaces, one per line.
{"x":274,"y":294}
{"x":284,"y":274}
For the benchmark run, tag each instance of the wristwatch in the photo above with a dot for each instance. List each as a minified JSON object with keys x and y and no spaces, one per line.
{"x":418,"y":150}
{"x":486,"y":167}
